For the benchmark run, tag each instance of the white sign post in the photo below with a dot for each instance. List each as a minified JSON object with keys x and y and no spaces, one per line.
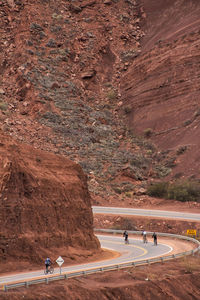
{"x":60,"y":261}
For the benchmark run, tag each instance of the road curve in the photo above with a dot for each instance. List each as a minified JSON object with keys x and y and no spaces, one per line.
{"x":146,"y":213}
{"x":134,"y":251}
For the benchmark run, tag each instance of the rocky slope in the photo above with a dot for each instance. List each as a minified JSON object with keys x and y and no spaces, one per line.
{"x":61,"y":66}
{"x":45,"y":207}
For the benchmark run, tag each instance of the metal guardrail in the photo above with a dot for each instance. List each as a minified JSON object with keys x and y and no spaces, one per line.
{"x":67,"y":275}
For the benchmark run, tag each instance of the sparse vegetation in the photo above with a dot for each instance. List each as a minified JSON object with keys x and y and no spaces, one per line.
{"x":181,"y":190}
{"x":158,"y":189}
{"x":181,"y":150}
{"x":3,"y":106}
{"x":148,"y":132}
{"x":111,"y":94}
{"x":187,"y":122}
{"x":127,"y":109}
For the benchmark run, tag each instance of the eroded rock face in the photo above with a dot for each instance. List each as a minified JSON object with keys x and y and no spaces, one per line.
{"x":45,"y":205}
{"x":162,"y":86}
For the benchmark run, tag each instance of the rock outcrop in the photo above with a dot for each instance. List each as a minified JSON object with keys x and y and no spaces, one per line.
{"x":162,"y":85}
{"x":45,"y":205}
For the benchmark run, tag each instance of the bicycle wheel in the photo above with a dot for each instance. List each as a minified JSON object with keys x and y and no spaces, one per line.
{"x":51,"y":270}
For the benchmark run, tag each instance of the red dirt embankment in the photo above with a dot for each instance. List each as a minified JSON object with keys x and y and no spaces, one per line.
{"x":45,"y":207}
{"x":162,"y":85}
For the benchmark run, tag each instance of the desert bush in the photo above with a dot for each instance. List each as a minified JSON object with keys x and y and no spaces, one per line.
{"x":158,"y":189}
{"x":127,"y":109}
{"x":128,"y":194}
{"x":148,"y":132}
{"x":127,"y":224}
{"x":184,"y":191}
{"x":3,"y":106}
{"x":111,"y":94}
{"x":187,"y":122}
{"x":180,"y":190}
{"x":181,"y":150}
{"x":117,"y":189}
{"x":162,"y":171}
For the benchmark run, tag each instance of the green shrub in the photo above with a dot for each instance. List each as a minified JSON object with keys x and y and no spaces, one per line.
{"x":184,"y":191}
{"x":180,"y":190}
{"x":158,"y":189}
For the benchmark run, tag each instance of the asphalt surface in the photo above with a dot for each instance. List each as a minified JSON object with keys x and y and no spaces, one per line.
{"x":134,"y":251}
{"x":146,"y":213}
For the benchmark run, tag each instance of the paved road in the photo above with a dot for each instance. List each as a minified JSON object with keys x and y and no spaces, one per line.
{"x":135,"y":251}
{"x":146,"y":213}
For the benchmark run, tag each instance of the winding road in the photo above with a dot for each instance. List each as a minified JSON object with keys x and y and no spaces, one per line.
{"x":134,"y":251}
{"x":146,"y":213}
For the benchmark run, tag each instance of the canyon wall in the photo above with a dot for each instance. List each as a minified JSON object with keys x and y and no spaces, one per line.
{"x":162,"y":85}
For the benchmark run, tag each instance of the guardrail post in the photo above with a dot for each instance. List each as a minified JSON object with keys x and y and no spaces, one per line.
{"x":5,"y":288}
{"x":26,"y":284}
{"x":65,"y":276}
{"x":47,"y":280}
{"x":162,"y":260}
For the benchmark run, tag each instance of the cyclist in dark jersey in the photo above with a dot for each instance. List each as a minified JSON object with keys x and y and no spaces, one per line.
{"x":125,"y":235}
{"x":47,"y":263}
{"x":154,"y":236}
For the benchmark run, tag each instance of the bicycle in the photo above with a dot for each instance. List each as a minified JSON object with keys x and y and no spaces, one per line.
{"x":50,"y":270}
{"x":126,"y":241}
{"x":144,"y":239}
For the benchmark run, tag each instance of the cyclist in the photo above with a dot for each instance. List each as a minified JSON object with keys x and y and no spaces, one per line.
{"x":154,"y":236}
{"x":144,"y":234}
{"x":125,"y":235}
{"x":47,"y":263}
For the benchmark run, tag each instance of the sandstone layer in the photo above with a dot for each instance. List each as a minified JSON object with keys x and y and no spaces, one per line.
{"x":45,"y":206}
{"x":162,"y":85}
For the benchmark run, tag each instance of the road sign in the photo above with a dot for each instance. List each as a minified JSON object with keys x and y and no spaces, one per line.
{"x":60,"y":261}
{"x":192,"y":232}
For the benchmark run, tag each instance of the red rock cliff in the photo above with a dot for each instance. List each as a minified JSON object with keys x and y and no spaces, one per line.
{"x":162,"y":85}
{"x":45,"y":205}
